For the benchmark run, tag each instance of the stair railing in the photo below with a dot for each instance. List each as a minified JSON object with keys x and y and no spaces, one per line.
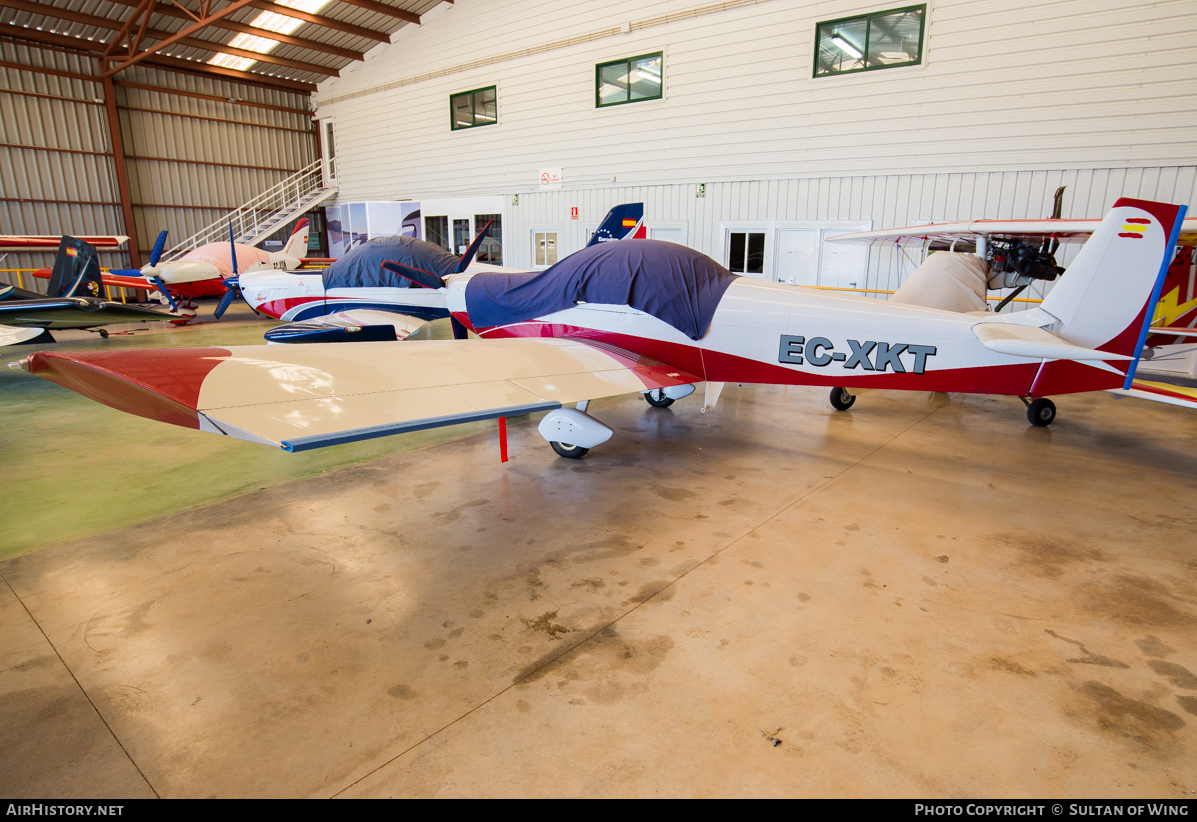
{"x":264,"y":212}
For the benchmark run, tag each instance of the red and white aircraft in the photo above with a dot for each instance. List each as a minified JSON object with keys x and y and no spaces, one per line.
{"x":656,"y":318}
{"x":202,"y":271}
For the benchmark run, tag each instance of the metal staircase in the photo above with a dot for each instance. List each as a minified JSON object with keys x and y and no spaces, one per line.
{"x":256,"y":220}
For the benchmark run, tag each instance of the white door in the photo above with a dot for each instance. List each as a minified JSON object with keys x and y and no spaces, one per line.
{"x":798,"y":256}
{"x":329,"y":143}
{"x":669,"y":235}
{"x":843,"y":266}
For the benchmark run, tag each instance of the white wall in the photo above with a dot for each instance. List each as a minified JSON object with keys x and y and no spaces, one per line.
{"x":1007,"y":85}
{"x":886,"y":201}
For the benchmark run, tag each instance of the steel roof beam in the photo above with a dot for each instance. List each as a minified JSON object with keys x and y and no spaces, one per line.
{"x":77,"y":45}
{"x":136,"y":56}
{"x":155,"y":34}
{"x":243,"y":28}
{"x":383,"y":8}
{"x":327,"y":22}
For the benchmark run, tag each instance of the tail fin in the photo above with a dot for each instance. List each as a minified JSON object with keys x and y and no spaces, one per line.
{"x":1105,"y":298}
{"x":624,"y":222}
{"x":76,"y":271}
{"x":297,"y":245}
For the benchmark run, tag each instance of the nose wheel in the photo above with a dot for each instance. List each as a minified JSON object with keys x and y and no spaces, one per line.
{"x":570,"y":452}
{"x":1041,"y":412}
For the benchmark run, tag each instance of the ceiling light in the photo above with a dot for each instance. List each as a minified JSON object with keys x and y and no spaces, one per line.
{"x":845,"y":46}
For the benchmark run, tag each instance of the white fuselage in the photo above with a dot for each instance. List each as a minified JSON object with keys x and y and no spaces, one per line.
{"x":214,"y":262}
{"x":296,"y":296}
{"x":766,"y":332}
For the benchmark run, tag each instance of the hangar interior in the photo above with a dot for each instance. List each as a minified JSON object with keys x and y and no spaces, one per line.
{"x":743,"y":592}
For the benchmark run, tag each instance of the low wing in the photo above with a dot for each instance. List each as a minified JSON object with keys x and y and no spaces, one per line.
{"x":303,"y":397}
{"x":942,"y":235}
{"x":74,"y":312}
{"x":355,"y":325}
{"x":1036,"y":343}
{"x":1166,"y":393}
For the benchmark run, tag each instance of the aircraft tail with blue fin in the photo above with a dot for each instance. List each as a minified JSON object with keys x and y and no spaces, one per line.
{"x":624,"y":222}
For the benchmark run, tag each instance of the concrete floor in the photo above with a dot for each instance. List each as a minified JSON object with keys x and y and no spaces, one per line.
{"x":925,"y":595}
{"x":74,"y":468}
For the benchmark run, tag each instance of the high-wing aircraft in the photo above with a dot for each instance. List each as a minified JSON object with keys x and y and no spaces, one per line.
{"x":202,"y":271}
{"x":657,"y":318}
{"x":361,"y":298}
{"x":1016,"y":252}
{"x":73,"y":300}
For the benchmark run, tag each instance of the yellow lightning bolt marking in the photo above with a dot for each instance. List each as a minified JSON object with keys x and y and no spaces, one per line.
{"x":1167,"y":311}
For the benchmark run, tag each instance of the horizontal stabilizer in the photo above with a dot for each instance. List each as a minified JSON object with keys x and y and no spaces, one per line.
{"x":310,"y":396}
{"x":355,"y":325}
{"x":1173,"y":331}
{"x":1036,"y":343}
{"x":1166,"y":393}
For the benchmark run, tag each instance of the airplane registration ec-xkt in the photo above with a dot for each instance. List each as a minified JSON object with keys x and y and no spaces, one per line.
{"x":656,"y":318}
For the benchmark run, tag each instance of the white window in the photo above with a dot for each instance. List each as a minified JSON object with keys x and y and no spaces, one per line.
{"x":796,"y":252}
{"x":746,"y":253}
{"x":544,"y":247}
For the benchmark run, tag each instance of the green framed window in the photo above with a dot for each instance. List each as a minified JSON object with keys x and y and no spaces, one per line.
{"x":628,"y":81}
{"x":881,"y":40}
{"x":471,"y":109}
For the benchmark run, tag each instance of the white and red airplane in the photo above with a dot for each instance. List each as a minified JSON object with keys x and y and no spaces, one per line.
{"x":656,"y":318}
{"x":203,"y":270}
{"x":361,"y":298}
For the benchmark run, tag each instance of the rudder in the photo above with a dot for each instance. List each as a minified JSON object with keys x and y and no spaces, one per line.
{"x":1104,"y":298}
{"x":76,"y":271}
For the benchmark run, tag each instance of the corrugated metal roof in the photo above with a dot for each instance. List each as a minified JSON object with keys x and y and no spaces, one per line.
{"x":44,"y":19}
{"x":191,"y":154}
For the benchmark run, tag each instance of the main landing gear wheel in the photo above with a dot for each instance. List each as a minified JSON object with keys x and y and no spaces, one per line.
{"x":1041,"y":412}
{"x":841,"y":400}
{"x":103,"y":334}
{"x":570,"y":452}
{"x":657,"y":399}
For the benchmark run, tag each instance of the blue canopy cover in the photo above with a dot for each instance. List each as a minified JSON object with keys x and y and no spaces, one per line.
{"x":362,"y":267}
{"x":671,"y":282}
